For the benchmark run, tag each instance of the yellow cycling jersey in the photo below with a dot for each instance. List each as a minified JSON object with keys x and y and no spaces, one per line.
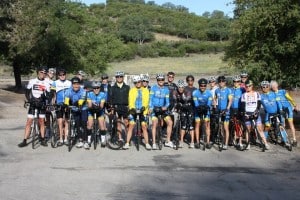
{"x":139,"y":97}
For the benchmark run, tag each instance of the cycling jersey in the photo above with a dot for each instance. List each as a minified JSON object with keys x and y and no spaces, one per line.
{"x":184,"y":98}
{"x":38,"y":87}
{"x":138,"y":98}
{"x":203,"y":99}
{"x":251,"y":101}
{"x":96,"y":98}
{"x":271,"y":104}
{"x":287,"y":102}
{"x":172,"y":87}
{"x":159,"y":97}
{"x":75,"y":97}
{"x":223,"y":95}
{"x":213,"y":93}
{"x":119,"y":94}
{"x":236,"y":94}
{"x":60,"y":87}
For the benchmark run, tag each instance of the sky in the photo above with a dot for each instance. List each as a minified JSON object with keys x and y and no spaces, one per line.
{"x":196,"y":6}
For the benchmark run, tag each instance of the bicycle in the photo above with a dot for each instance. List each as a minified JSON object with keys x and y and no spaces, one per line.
{"x":237,"y":132}
{"x":138,"y":128}
{"x":159,"y":135}
{"x":218,"y":131}
{"x":95,"y":131}
{"x":35,"y":129}
{"x":202,"y":131}
{"x":114,"y":139}
{"x":72,"y":134}
{"x":278,"y":133}
{"x":177,"y":129}
{"x":54,"y":130}
{"x":253,"y":135}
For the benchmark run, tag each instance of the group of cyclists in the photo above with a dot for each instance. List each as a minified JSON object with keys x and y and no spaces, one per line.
{"x":194,"y":105}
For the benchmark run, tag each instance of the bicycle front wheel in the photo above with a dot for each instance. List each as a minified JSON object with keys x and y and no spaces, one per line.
{"x":54,"y":134}
{"x":285,"y":138}
{"x":114,"y":141}
{"x":159,"y":136}
{"x":34,"y":135}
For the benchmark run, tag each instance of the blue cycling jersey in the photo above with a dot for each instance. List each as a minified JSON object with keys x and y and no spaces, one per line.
{"x":159,"y":96}
{"x":281,"y":94}
{"x":236,"y":94}
{"x":96,"y":98}
{"x":223,"y":95}
{"x":202,"y":98}
{"x":60,"y":87}
{"x":75,"y":96}
{"x":270,"y":102}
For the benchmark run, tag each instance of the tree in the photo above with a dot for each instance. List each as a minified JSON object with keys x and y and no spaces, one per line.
{"x":265,"y":40}
{"x":135,"y":28}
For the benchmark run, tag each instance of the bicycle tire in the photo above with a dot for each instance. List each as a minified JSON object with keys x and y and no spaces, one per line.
{"x":34,"y":134}
{"x":95,"y":135}
{"x":54,"y":134}
{"x":203,"y":130}
{"x":261,"y":144}
{"x":287,"y":143}
{"x":137,"y":136}
{"x":69,"y":135}
{"x":176,"y":134}
{"x":221,"y":137}
{"x":159,"y":135}
{"x":113,"y":140}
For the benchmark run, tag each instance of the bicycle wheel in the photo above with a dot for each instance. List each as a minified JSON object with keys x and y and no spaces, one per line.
{"x":261,"y":144}
{"x":95,"y":135}
{"x":203,"y":134}
{"x":232,"y":134}
{"x":137,"y":136}
{"x":159,"y":136}
{"x":176,"y":134}
{"x":54,"y":134}
{"x":70,"y":133}
{"x":34,"y":134}
{"x":113,"y":140}
{"x":221,"y":136}
{"x":285,"y":138}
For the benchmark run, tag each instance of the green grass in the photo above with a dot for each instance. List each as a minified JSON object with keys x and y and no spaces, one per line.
{"x":196,"y":64}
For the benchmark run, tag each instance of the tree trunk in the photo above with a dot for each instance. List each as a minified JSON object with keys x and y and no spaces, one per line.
{"x":17,"y":75}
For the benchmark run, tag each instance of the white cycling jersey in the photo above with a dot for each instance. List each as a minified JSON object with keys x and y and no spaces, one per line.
{"x":213,"y":93}
{"x":38,"y":87}
{"x":251,"y":100}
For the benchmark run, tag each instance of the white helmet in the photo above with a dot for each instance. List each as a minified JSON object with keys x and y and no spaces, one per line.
{"x":81,"y":73}
{"x":96,"y":84}
{"x":52,"y":70}
{"x":263,"y":83}
{"x":212,"y":79}
{"x":145,"y":77}
{"x":160,"y":76}
{"x":119,"y":73}
{"x":136,"y":78}
{"x":244,"y":73}
{"x":180,"y":83}
{"x":236,"y":78}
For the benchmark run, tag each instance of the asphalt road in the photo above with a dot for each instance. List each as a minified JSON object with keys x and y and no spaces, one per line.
{"x":47,"y":173}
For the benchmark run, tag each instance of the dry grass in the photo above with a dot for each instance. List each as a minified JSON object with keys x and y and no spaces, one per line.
{"x":165,"y":37}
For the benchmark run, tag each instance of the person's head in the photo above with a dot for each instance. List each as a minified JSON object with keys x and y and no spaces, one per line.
{"x":104,"y":78}
{"x":145,"y":79}
{"x":180,"y":86}
{"x":212,"y":81}
{"x":51,"y":73}
{"x":265,"y":86}
{"x":75,"y":83}
{"x":202,"y":84}
{"x":137,"y":81}
{"x":81,"y":74}
{"x":96,"y":86}
{"x":61,"y":73}
{"x":119,"y":76}
{"x":274,"y":85}
{"x":249,"y":85}
{"x":41,"y":72}
{"x":236,"y":81}
{"x":160,"y":78}
{"x":190,"y":80}
{"x":171,"y":76}
{"x":222,"y":81}
{"x":244,"y":76}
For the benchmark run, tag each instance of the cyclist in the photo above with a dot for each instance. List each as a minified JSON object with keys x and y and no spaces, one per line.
{"x":37,"y":91}
{"x":58,"y":89}
{"x":171,"y":86}
{"x":138,"y":99}
{"x":203,"y":102}
{"x":50,"y":75}
{"x":184,"y":104}
{"x":145,"y":80}
{"x":288,"y":105}
{"x":244,"y":78}
{"x":81,"y":75}
{"x":271,"y":104}
{"x":213,"y":86}
{"x":95,"y":101}
{"x":223,"y":96}
{"x":159,"y":98}
{"x":250,"y":105}
{"x":76,"y":96}
{"x":118,"y":97}
{"x":237,"y":92}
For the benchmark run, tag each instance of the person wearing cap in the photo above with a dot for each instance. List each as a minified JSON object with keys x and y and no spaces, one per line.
{"x":76,"y":96}
{"x":160,"y":100}
{"x":288,"y":105}
{"x":96,"y":101}
{"x":118,"y":97}
{"x":171,"y":86}
{"x":203,"y":103}
{"x":37,"y":92}
{"x":271,"y":104}
{"x":58,"y":89}
{"x":250,"y":106}
{"x":223,"y":96}
{"x":138,"y":100}
{"x":183,"y":99}
{"x":244,"y":78}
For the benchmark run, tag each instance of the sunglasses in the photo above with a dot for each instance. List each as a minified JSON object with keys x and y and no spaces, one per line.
{"x":119,"y":76}
{"x":160,"y":79}
{"x":97,"y":88}
{"x":236,"y":81}
{"x":202,"y":85}
{"x":146,"y":81}
{"x":106,"y":77}
{"x":137,"y":82}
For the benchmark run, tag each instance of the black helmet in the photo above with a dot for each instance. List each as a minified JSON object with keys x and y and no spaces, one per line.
{"x":189,"y":77}
{"x":221,"y":79}
{"x":43,"y":69}
{"x":104,"y":76}
{"x":75,"y":80}
{"x":202,"y":81}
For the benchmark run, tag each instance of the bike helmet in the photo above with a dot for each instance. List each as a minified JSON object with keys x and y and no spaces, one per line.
{"x":244,"y":74}
{"x":119,"y":73}
{"x":212,"y":79}
{"x":145,"y":77}
{"x":202,"y":81}
{"x":136,"y":78}
{"x":160,"y":76}
{"x":221,"y":79}
{"x":43,"y":69}
{"x":52,"y":70}
{"x":188,"y":77}
{"x":104,"y":76}
{"x":180,"y":83}
{"x":95,"y":84}
{"x":81,"y":73}
{"x":236,"y":78}
{"x":264,"y":83}
{"x":75,"y":80}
